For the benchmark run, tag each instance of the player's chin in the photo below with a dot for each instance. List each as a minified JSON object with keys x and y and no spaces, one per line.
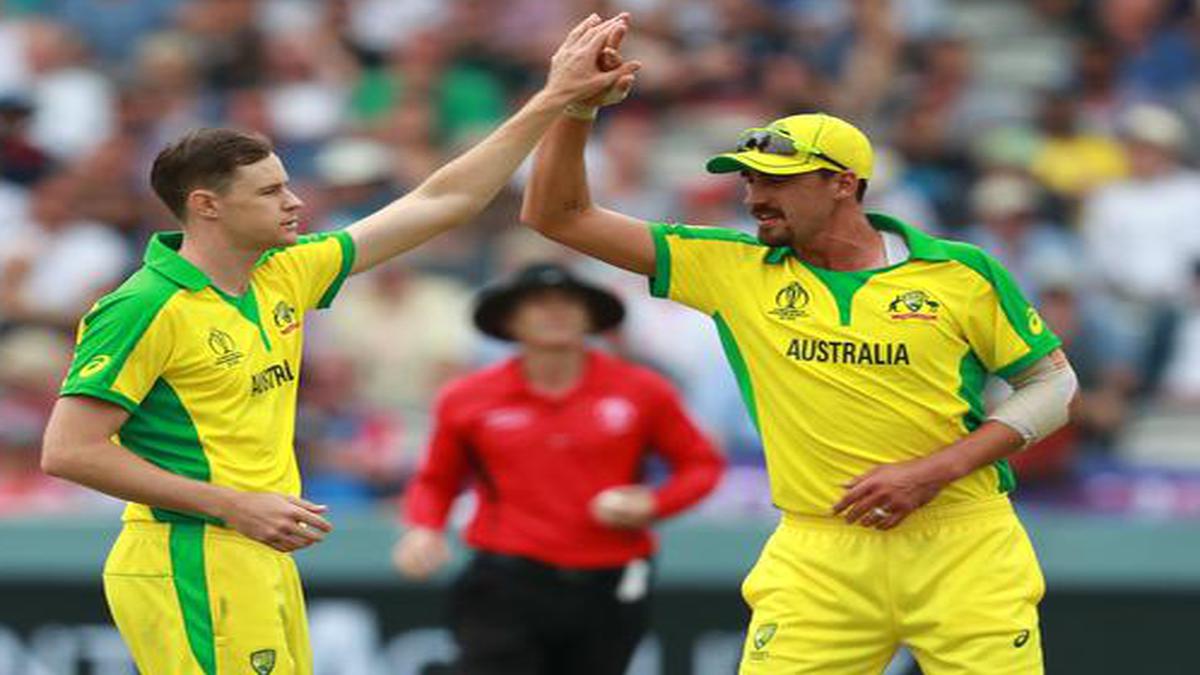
{"x":288,"y":235}
{"x":773,"y":234}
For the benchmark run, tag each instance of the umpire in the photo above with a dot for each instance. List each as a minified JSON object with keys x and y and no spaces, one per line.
{"x":554,"y":441}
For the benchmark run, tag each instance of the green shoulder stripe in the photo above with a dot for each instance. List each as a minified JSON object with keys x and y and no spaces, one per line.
{"x":660,"y":283}
{"x":741,"y":371}
{"x":1021,"y":316}
{"x":346,"y":242}
{"x":111,"y":330}
{"x":972,"y":380}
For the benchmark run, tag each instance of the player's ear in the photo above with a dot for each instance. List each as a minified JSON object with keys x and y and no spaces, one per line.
{"x":203,"y":203}
{"x":845,"y":185}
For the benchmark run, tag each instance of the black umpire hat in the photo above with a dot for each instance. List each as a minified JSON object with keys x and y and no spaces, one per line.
{"x":495,"y":303}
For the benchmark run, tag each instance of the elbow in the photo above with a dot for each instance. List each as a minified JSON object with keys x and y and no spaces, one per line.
{"x":59,"y":459}
{"x":55,"y":460}
{"x":535,"y":218}
{"x":549,"y":221}
{"x":1075,"y":408}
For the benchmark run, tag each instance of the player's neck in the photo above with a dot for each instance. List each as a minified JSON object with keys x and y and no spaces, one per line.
{"x":553,"y":372}
{"x":847,"y":243}
{"x":226,"y":266}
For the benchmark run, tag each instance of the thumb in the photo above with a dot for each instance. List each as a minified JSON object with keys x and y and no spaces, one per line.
{"x":623,"y":85}
{"x":626,"y":69}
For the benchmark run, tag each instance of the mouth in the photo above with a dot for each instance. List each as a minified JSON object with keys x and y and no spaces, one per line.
{"x":291,"y":224}
{"x":767,"y":217}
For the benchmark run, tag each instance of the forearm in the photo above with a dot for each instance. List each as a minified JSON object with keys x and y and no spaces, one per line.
{"x":427,"y":504}
{"x":989,"y":443}
{"x":115,"y":471}
{"x":558,"y":190}
{"x":457,"y":192}
{"x":479,"y":173}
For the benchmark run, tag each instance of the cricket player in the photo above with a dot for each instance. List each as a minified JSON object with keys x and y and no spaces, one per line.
{"x":861,"y":346}
{"x":181,"y":398}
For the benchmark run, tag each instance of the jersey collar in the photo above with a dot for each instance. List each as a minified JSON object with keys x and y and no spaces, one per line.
{"x":162,"y":255}
{"x":921,"y":246}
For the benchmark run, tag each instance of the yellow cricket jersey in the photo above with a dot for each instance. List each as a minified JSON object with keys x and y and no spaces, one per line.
{"x":209,"y":380}
{"x":844,"y":371}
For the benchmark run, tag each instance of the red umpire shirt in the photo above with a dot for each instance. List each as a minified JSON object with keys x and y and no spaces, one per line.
{"x":538,"y":460}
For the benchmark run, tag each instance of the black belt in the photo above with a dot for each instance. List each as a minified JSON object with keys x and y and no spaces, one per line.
{"x":533,"y":567}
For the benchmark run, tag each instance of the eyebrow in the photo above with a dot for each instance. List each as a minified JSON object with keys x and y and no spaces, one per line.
{"x":271,"y":187}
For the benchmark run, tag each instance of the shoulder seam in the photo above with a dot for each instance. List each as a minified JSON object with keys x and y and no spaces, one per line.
{"x":723,"y":234}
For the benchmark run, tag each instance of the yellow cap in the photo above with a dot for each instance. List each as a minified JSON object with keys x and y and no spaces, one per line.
{"x":831,"y":136}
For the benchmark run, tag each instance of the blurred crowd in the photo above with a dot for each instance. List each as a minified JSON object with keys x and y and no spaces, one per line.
{"x":1057,"y":134}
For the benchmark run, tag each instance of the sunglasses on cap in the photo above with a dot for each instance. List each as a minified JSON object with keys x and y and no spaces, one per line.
{"x":775,"y":143}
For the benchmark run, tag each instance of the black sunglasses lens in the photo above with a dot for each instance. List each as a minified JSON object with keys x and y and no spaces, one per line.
{"x":765,"y":141}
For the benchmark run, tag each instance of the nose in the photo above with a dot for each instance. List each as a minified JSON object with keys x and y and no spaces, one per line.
{"x":751,"y":197}
{"x":293,"y":202}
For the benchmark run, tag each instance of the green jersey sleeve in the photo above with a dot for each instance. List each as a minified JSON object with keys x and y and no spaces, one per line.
{"x":122,"y":347}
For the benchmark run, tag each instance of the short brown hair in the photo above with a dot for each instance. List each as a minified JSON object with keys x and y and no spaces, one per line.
{"x":204,"y":158}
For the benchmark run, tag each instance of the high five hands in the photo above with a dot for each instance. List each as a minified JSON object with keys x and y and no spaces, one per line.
{"x":589,"y":66}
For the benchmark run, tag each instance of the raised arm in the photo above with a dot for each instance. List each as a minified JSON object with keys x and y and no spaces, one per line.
{"x":559,"y":205}
{"x":78,"y":447}
{"x":457,"y":192}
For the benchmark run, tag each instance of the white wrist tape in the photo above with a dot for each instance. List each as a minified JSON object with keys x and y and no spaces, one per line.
{"x":1040,"y":400}
{"x":588,"y":112}
{"x":580,"y":111}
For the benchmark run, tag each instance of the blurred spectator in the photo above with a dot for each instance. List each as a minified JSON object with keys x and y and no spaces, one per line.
{"x":110,"y":189}
{"x":1159,"y":57}
{"x":32,"y":362}
{"x":626,"y":182}
{"x":352,"y":453}
{"x":467,"y":99}
{"x":1097,"y":87}
{"x":228,"y":40}
{"x":1104,"y":365}
{"x":113,"y":28}
{"x":1006,"y":209}
{"x":1072,"y":161}
{"x":307,"y":96}
{"x":356,"y":174}
{"x":167,"y":86}
{"x":1136,"y":235}
{"x":21,"y":161}
{"x":377,"y":25}
{"x":410,"y":129}
{"x":1182,"y":380}
{"x":932,"y":128}
{"x":891,"y":193}
{"x":53,"y":270}
{"x":404,"y":334}
{"x":73,"y":103}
